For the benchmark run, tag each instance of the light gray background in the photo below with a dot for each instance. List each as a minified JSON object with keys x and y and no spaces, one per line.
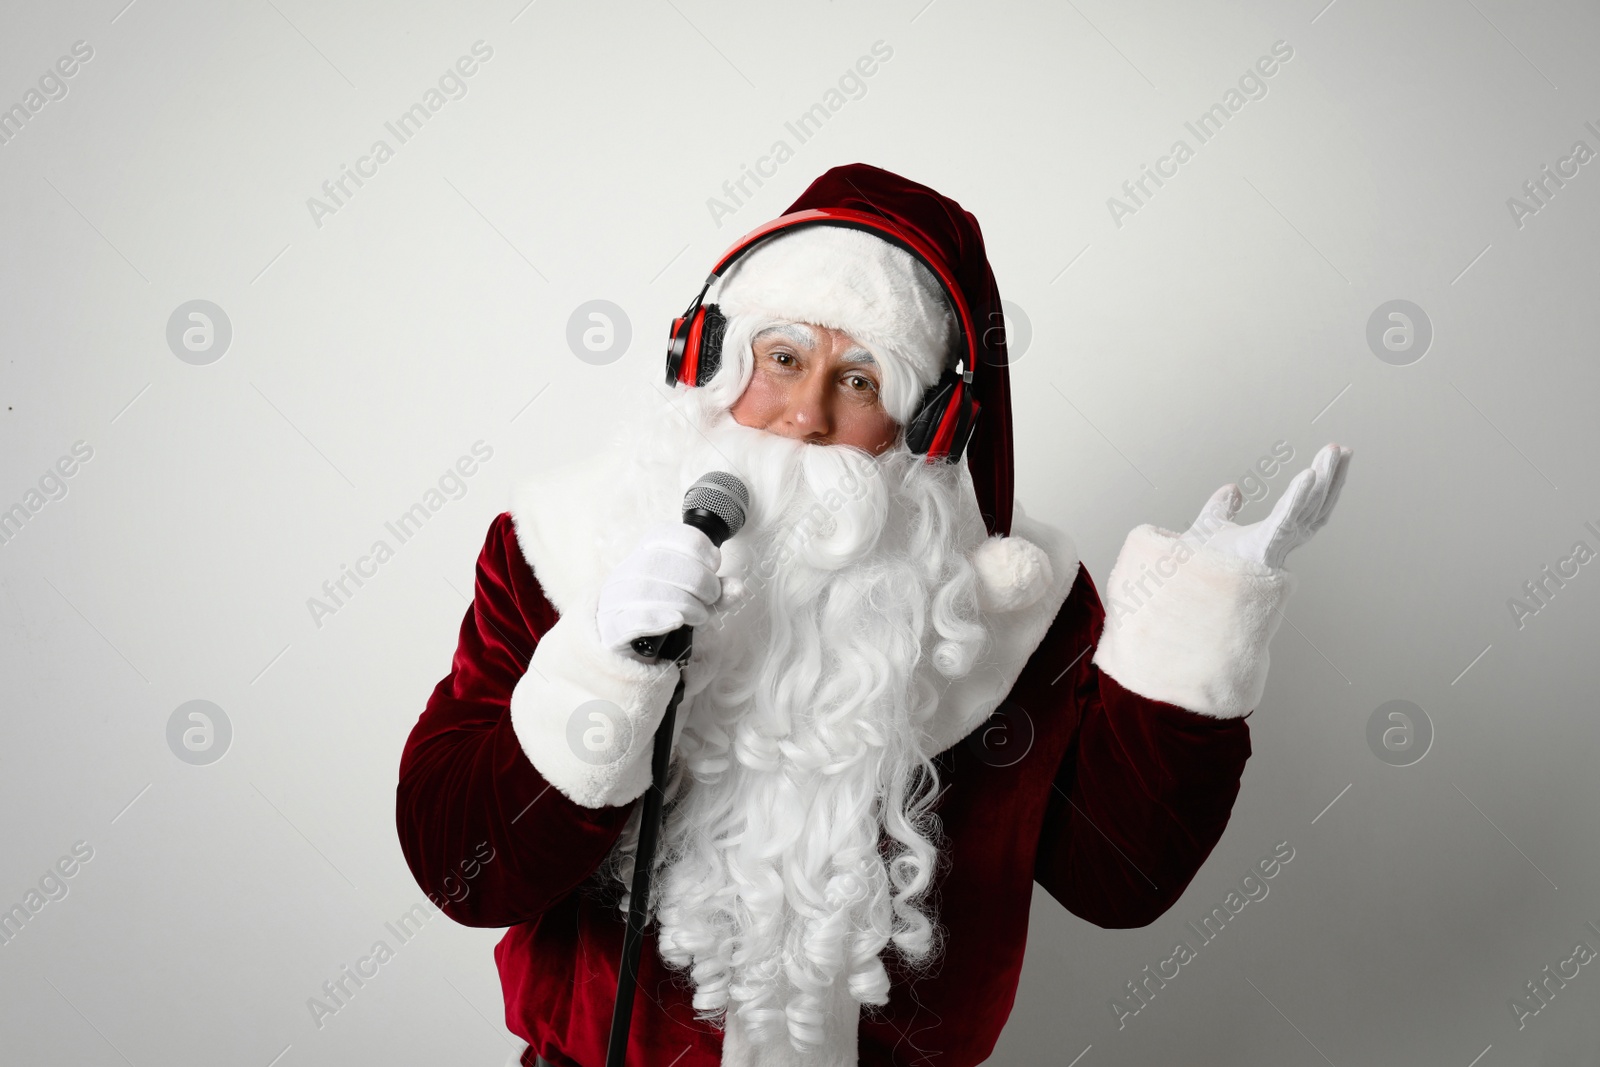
{"x":1167,"y":356}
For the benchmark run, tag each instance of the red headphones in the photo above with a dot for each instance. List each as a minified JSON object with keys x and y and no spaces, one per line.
{"x":947,"y":412}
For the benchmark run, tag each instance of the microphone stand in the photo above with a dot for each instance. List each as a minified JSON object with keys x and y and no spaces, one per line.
{"x":714,"y":505}
{"x":675,"y":647}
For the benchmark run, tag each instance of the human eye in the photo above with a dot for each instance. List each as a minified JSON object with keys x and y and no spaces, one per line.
{"x":861,"y":385}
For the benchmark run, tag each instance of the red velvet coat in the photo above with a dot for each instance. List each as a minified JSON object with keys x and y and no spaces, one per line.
{"x":1112,"y":809}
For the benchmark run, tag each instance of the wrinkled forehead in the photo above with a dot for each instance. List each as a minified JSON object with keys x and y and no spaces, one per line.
{"x":805,"y":336}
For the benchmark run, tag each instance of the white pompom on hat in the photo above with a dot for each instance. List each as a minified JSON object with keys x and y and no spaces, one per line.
{"x":1012,"y":573}
{"x":851,"y":280}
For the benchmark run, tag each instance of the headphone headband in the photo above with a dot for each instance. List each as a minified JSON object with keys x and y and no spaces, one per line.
{"x":903,"y":237}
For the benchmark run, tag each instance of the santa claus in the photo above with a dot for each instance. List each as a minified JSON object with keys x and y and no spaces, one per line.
{"x":905,"y":704}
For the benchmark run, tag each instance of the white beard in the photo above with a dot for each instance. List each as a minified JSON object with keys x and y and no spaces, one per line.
{"x":848,"y":601}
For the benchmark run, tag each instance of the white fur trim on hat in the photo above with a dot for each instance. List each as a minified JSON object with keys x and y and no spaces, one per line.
{"x":1012,"y":573}
{"x":853,"y":281}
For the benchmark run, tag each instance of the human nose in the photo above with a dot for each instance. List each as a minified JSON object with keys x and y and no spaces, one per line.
{"x":806,"y":415}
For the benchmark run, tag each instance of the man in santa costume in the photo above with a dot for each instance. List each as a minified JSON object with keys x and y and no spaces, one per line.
{"x":906,"y":701}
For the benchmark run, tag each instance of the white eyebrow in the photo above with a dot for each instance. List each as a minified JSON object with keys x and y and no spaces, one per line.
{"x":858,"y":355}
{"x":798,"y":332}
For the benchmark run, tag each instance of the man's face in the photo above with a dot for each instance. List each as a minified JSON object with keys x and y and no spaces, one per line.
{"x":816,"y":385}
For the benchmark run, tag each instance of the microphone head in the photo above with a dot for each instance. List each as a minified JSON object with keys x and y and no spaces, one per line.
{"x":721,"y":494}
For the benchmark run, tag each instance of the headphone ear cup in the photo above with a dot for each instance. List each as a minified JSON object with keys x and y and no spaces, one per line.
{"x":712,"y":331}
{"x":930,"y":412}
{"x":940,"y":403}
{"x":678,"y":344}
{"x":966,"y":422}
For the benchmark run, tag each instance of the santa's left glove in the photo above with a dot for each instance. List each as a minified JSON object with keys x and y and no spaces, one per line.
{"x":1190,"y":616}
{"x":1302,"y":510}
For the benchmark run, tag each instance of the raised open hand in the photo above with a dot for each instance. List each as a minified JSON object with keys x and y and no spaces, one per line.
{"x":1302,"y":510}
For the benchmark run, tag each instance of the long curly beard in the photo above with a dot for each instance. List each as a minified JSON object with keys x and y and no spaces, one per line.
{"x":799,"y":841}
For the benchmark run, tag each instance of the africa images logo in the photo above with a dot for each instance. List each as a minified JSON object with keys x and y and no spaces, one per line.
{"x":339,"y":590}
{"x":1252,"y":85}
{"x":1252,"y":888}
{"x":851,"y":85}
{"x":452,"y":85}
{"x":54,"y":84}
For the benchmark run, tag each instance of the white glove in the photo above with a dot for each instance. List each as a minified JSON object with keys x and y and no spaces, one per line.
{"x":1302,"y":510}
{"x":669,"y":581}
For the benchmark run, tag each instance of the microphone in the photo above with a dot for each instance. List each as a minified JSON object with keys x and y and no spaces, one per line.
{"x":715,"y":505}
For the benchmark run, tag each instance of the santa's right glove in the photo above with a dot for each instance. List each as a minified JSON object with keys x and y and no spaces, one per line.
{"x":669,"y":581}
{"x":587,"y":710}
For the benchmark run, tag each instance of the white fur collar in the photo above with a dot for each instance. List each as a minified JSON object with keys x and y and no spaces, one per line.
{"x":1021,"y":594}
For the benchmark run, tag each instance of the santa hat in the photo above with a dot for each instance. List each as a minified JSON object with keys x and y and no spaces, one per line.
{"x":850,"y":280}
{"x":882,"y":296}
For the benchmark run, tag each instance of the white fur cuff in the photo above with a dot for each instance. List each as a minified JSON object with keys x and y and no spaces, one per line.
{"x":586,"y":716}
{"x":1190,"y":627}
